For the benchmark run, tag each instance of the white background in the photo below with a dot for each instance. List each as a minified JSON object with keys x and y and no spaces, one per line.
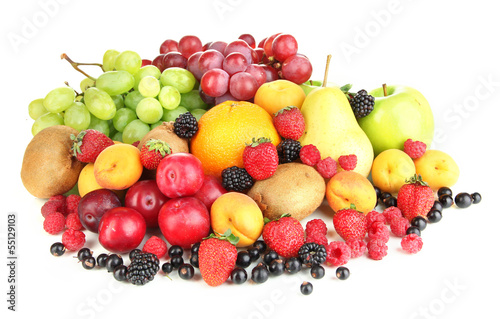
{"x":445,"y":49}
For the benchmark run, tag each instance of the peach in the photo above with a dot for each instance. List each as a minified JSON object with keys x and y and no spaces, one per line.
{"x":391,"y":169}
{"x":241,"y":214}
{"x":348,"y":187}
{"x":87,"y":182}
{"x":118,"y":166}
{"x":275,"y":95}
{"x":437,"y":168}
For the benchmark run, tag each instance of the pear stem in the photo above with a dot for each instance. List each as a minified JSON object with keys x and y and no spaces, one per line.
{"x":384,"y":86}
{"x":328,"y":58}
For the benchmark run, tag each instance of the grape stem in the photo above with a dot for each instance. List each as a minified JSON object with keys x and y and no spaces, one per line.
{"x":325,"y":79}
{"x":76,"y":65}
{"x":67,"y":84}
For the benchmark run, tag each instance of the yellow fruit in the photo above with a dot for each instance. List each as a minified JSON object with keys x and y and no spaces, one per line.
{"x":275,"y":95}
{"x":348,"y":187}
{"x":118,"y":166}
{"x":391,"y":169}
{"x":437,"y":168}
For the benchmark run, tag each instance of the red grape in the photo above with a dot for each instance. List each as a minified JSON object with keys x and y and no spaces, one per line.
{"x":284,"y":46}
{"x":268,"y":45}
{"x":257,"y":71}
{"x":146,"y":62}
{"x":235,"y":62}
{"x":241,"y":47}
{"x":261,"y":43}
{"x":243,"y":86}
{"x":174,"y":59}
{"x":248,"y":38}
{"x":210,"y":59}
{"x":224,"y":98}
{"x":271,"y":73}
{"x":215,"y":82}
{"x":193,"y":66}
{"x":206,"y":46}
{"x":158,"y":62}
{"x":210,"y":100}
{"x":260,"y":54}
{"x":219,"y":46}
{"x":189,"y":44}
{"x":169,"y":46}
{"x":297,"y":69}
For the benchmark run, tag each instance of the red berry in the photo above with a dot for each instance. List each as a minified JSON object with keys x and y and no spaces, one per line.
{"x":416,"y":198}
{"x":399,"y":225}
{"x":414,"y":149}
{"x":348,"y":162}
{"x":54,"y":223}
{"x":284,"y":235}
{"x":309,"y":155}
{"x":72,"y":202}
{"x":338,"y":253}
{"x":73,"y":240}
{"x":152,"y":152}
{"x":358,"y":247}
{"x":327,"y":167}
{"x":350,"y":224}
{"x":289,"y":122}
{"x":317,"y":238}
{"x":73,"y":221}
{"x":374,"y":216}
{"x":390,"y":213}
{"x":377,"y":249}
{"x":378,"y":231}
{"x":316,"y":226}
{"x":53,"y":206}
{"x":412,"y":243}
{"x":155,"y":245}
{"x":57,"y":197}
{"x":217,"y":258}
{"x":88,"y":144}
{"x":260,"y":158}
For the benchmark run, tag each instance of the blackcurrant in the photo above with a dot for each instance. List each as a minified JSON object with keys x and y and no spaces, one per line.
{"x":270,"y":256}
{"x":437,"y":206}
{"x":194,"y":260}
{"x":434,"y":216}
{"x":195,"y":248}
{"x":378,"y":192}
{"x":419,"y":222}
{"x":342,"y":273}
{"x":239,"y":275}
{"x":120,"y":273}
{"x":390,"y":201}
{"x":133,"y":252}
{"x":101,"y":260}
{"x":113,"y":261}
{"x":167,"y":268}
{"x":385,"y":195}
{"x":277,"y":267}
{"x":261,"y":245}
{"x":446,"y":200}
{"x":57,"y":249}
{"x":243,"y":259}
{"x":463,"y":200}
{"x":413,"y":230}
{"x":175,"y":251}
{"x":260,"y":274}
{"x":293,"y":265}
{"x":317,"y":271}
{"x":444,"y":190}
{"x":254,"y":253}
{"x":306,"y":288}
{"x":186,"y":271}
{"x":176,"y":261}
{"x":476,"y":198}
{"x":83,"y":253}
{"x":88,"y":262}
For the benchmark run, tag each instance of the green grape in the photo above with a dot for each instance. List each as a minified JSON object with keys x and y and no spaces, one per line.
{"x":169,"y":97}
{"x":118,"y":137}
{"x":119,"y":101}
{"x":122,"y":118}
{"x":149,"y":86}
{"x":179,"y":78}
{"x":59,"y":99}
{"x":112,"y":129}
{"x":135,"y":131}
{"x":108,"y":60}
{"x":147,"y":70}
{"x":149,"y":110}
{"x":77,"y":116}
{"x":99,"y":125}
{"x":128,"y":61}
{"x":100,"y":104}
{"x":132,"y":99}
{"x":86,"y":83}
{"x":115,"y":82}
{"x":192,"y":100}
{"x":156,"y":124}
{"x":36,"y":109}
{"x":197,"y":113}
{"x":171,"y":115}
{"x":46,"y":120}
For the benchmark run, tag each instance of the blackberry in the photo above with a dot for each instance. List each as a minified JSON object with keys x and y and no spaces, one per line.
{"x":361,"y":103}
{"x":132,"y":253}
{"x":185,"y":125}
{"x":143,"y":268}
{"x":288,"y":150}
{"x":236,"y":179}
{"x":57,"y":249}
{"x":312,"y":254}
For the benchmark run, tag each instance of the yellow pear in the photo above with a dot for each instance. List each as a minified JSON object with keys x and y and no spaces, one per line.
{"x":332,"y":127}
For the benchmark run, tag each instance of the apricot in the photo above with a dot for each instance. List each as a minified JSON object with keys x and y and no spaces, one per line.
{"x":437,"y":168}
{"x":241,"y":214}
{"x":118,"y":166}
{"x":275,"y":95}
{"x":349,"y":187}
{"x":391,"y":169}
{"x":87,"y":182}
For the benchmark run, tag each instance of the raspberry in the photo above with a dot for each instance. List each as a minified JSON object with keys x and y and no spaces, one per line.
{"x":378,"y":231}
{"x":412,"y":243}
{"x":317,"y":238}
{"x":72,"y":202}
{"x":377,"y":249}
{"x":414,"y":149}
{"x":348,"y":162}
{"x":374,"y":216}
{"x":54,"y":223}
{"x":358,"y":247}
{"x":399,"y":225}
{"x":53,"y":206}
{"x":390,"y":213}
{"x":338,"y":253}
{"x":309,"y":155}
{"x":73,"y":240}
{"x":155,"y":245}
{"x":327,"y":167}
{"x":316,"y":226}
{"x":57,"y":197}
{"x":73,"y":221}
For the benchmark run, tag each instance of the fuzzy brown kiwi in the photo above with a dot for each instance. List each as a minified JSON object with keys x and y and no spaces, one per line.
{"x":165,"y":132}
{"x":296,"y":189}
{"x":49,"y":167}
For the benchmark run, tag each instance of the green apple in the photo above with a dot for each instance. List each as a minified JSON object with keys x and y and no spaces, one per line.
{"x":404,"y":113}
{"x":310,"y":85}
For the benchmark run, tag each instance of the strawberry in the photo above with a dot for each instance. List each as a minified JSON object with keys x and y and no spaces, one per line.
{"x":415,"y":198}
{"x":350,"y":224}
{"x":88,"y":144}
{"x":217,"y":257}
{"x":289,"y":122}
{"x":260,"y":158}
{"x":284,"y":235}
{"x":348,"y":162}
{"x":152,"y":152}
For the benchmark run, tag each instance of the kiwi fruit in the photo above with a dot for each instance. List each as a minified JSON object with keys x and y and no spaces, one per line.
{"x":165,"y":132}
{"x":296,"y":189}
{"x":49,"y":167}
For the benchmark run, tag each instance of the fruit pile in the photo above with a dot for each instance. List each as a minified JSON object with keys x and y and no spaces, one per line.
{"x":227,"y":148}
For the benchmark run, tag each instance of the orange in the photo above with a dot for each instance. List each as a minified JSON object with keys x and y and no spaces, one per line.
{"x":223,"y":131}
